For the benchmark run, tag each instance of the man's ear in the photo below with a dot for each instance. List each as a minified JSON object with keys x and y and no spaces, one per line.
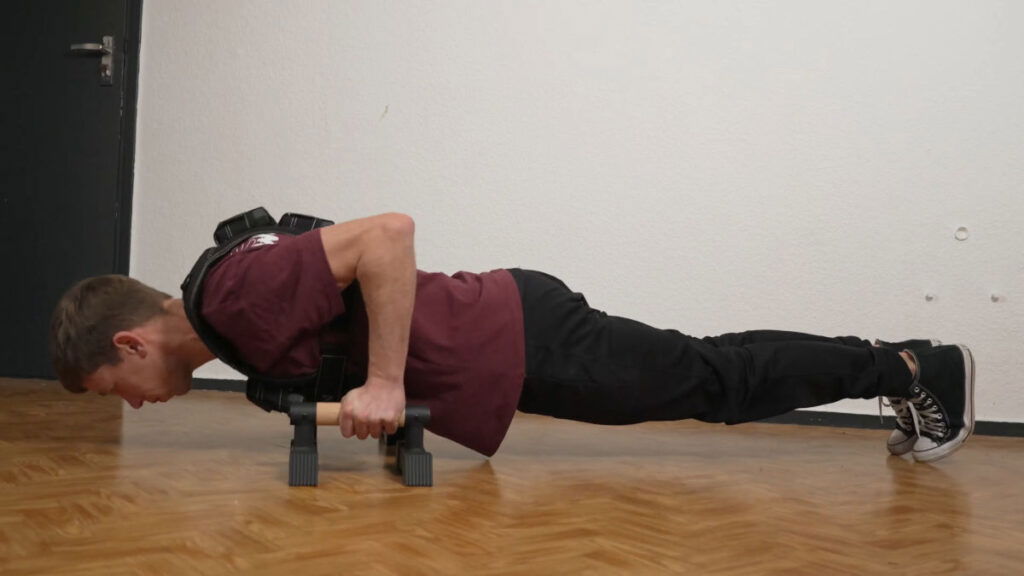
{"x":129,"y":343}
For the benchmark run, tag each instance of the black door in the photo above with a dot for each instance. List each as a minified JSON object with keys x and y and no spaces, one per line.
{"x":66,"y":156}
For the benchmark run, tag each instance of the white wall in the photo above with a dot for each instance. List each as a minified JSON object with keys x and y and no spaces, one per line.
{"x":710,"y":166}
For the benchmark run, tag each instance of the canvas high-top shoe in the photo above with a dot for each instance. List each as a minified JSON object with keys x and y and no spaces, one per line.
{"x":903,"y":438}
{"x":942,"y":397}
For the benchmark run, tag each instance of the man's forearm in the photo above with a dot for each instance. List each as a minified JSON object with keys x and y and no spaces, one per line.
{"x":387,"y":277}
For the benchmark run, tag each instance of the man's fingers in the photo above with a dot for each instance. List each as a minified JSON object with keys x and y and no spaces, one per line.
{"x":346,"y":423}
{"x":374,"y":429}
{"x":355,"y":419}
{"x":383,"y":426}
{"x":362,"y":430}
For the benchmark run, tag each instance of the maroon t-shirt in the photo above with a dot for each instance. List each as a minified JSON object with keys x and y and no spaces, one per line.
{"x":272,"y":295}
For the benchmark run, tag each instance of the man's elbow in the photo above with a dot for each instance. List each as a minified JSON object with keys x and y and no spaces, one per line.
{"x":392,"y":233}
{"x":401,"y":225}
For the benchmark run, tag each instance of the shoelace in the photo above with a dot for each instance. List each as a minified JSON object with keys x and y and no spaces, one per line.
{"x":904,"y":417}
{"x":930,"y":418}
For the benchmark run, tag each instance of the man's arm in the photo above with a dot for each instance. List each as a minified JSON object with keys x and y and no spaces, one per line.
{"x":378,"y":251}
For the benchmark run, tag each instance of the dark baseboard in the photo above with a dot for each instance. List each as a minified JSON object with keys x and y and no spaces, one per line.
{"x":801,"y":417}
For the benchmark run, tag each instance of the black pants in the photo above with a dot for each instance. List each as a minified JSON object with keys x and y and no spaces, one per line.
{"x":583,"y":364}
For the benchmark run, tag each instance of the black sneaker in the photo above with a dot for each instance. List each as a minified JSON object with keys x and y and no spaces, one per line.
{"x":942,"y":397}
{"x":903,"y":438}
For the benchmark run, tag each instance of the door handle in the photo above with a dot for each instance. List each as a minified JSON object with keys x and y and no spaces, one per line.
{"x":90,"y":48}
{"x":106,"y":51}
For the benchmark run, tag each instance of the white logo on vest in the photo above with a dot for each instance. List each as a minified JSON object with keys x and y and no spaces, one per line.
{"x":256,"y":241}
{"x":264,"y":239}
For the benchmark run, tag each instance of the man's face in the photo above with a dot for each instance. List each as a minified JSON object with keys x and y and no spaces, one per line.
{"x":145,"y":373}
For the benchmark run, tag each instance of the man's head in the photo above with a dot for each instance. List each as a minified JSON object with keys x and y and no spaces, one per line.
{"x":113,"y":335}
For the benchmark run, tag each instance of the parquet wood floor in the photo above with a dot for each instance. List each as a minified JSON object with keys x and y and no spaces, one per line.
{"x":199,"y":486}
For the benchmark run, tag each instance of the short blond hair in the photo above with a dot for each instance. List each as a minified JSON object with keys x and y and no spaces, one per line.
{"x":87,"y":317}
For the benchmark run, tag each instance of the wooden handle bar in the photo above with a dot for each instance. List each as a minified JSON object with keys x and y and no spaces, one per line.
{"x":327,"y":414}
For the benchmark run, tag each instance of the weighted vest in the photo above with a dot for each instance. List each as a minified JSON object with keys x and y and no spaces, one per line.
{"x":328,"y":383}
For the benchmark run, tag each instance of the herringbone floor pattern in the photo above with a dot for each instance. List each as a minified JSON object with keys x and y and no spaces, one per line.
{"x":198,"y":486}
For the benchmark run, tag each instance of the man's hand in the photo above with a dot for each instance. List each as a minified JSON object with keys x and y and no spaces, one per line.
{"x":372,"y":408}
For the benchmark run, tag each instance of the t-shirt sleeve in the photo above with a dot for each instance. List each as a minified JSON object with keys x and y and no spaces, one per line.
{"x":270,"y":294}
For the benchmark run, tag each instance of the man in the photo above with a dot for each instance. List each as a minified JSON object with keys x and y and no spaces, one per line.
{"x":476,"y":347}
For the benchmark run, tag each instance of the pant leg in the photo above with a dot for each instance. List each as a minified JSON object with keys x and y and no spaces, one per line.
{"x":584,"y":364}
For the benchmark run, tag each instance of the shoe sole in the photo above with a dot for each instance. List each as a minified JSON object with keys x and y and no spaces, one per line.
{"x":953,"y":445}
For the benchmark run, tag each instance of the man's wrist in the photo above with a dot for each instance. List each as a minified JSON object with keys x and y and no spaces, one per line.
{"x":384,"y":382}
